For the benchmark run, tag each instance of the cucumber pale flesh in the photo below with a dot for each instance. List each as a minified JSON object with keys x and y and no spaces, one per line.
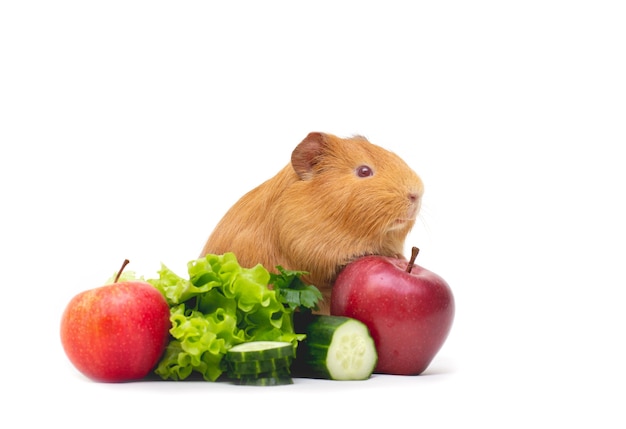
{"x":260,"y":350}
{"x":338,"y":348}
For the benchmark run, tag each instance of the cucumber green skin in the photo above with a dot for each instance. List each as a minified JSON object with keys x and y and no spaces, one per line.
{"x":259,"y":366}
{"x":265,"y":381}
{"x":270,"y":378}
{"x":312,"y":352}
{"x":282,"y":372}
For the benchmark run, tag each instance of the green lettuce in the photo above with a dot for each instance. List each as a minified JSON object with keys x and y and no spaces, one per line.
{"x":222,"y":304}
{"x":293,"y":292}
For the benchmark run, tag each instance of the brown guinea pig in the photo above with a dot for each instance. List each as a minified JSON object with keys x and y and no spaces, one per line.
{"x":337,"y":200}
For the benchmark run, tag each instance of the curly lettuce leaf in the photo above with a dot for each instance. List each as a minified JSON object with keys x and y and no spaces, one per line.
{"x":176,"y":289}
{"x":200,"y":342}
{"x":123,"y":277}
{"x":220,"y":305}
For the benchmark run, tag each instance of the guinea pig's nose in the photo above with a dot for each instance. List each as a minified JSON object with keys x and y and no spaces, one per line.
{"x":414,"y":197}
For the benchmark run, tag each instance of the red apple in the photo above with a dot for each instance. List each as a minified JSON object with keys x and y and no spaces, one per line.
{"x":116,"y":332}
{"x":408,"y":309}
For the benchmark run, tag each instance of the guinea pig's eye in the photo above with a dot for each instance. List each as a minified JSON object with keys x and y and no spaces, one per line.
{"x":364,"y":171}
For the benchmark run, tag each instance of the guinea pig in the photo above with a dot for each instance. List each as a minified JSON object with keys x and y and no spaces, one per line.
{"x":338,"y":199}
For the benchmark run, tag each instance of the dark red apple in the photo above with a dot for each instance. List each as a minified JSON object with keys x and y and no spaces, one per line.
{"x":116,"y":332}
{"x":408,"y":309}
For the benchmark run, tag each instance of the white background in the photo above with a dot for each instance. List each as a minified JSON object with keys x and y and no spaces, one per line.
{"x":128,"y":128}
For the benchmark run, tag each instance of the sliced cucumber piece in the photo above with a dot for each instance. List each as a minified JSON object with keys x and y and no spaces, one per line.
{"x":260,"y":350}
{"x":338,"y":348}
{"x":260,"y":366}
{"x":265,"y":381}
{"x":270,"y":378}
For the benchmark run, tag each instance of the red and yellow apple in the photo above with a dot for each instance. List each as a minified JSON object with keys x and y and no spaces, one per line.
{"x":408,"y":309}
{"x":116,"y":332}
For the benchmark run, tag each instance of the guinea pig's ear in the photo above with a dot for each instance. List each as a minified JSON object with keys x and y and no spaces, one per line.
{"x":307,"y":154}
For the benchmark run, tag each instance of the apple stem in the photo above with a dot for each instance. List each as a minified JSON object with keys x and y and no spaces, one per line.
{"x":119,"y":273}
{"x":414,"y":252}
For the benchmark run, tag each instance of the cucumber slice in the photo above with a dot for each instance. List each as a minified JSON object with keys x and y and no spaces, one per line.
{"x":337,"y":348}
{"x":265,"y":381}
{"x":260,"y":366}
{"x":260,"y":350}
{"x":270,"y":378}
{"x":282,"y":372}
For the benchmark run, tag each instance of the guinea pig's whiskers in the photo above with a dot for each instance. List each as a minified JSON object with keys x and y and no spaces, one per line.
{"x":422,"y":219}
